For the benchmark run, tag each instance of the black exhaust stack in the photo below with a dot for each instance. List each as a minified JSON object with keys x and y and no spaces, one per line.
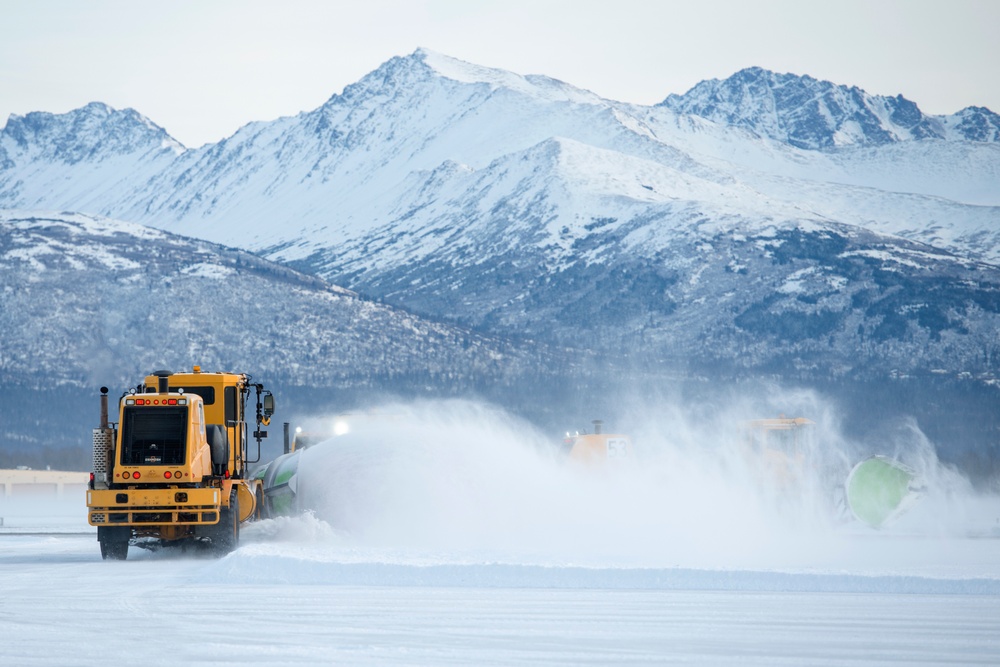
{"x":104,"y":407}
{"x":162,"y":381}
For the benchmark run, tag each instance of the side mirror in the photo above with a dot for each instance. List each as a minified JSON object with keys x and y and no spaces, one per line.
{"x":268,"y":405}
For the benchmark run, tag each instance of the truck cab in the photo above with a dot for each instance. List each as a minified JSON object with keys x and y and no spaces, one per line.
{"x":174,"y":466}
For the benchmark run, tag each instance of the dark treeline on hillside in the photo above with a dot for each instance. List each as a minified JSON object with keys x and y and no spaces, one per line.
{"x":53,"y":426}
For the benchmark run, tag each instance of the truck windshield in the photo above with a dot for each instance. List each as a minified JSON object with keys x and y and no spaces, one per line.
{"x":154,"y":436}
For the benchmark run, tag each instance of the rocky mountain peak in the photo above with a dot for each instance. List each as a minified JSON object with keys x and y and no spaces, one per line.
{"x":94,"y":130}
{"x":401,"y":74}
{"x":820,"y":115}
{"x":976,"y":124}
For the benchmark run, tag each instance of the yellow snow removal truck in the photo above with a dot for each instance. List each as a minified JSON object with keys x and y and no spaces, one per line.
{"x":598,"y":448}
{"x":876,"y":491}
{"x":174,"y":469}
{"x":779,"y":448}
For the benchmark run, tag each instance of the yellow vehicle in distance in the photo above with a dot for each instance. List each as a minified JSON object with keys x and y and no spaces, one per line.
{"x":598,"y":448}
{"x":780,"y":448}
{"x":785,"y":452}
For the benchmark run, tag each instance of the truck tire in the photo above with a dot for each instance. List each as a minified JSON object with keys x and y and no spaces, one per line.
{"x":226,"y":536}
{"x":114,"y":542}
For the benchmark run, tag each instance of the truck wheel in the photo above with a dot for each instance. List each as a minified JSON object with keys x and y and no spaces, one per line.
{"x":226,"y":536}
{"x":114,"y":550}
{"x":114,"y":543}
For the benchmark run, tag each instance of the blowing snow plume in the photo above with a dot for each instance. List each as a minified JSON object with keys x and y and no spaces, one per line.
{"x":462,"y":477}
{"x":457,"y":475}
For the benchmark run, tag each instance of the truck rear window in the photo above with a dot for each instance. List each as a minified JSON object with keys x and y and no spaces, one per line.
{"x":207,"y":393}
{"x":154,"y":436}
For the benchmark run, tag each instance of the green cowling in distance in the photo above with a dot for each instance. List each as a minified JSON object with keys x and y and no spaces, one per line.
{"x":879,"y":489}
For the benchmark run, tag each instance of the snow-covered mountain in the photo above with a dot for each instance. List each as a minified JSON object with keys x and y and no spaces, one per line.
{"x":86,"y":156}
{"x":336,"y":175}
{"x":725,"y":229}
{"x":817,"y":115}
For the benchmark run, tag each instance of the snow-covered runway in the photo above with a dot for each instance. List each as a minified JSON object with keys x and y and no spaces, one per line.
{"x":299,"y":598}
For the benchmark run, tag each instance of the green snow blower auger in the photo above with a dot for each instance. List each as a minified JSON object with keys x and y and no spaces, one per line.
{"x":879,"y":489}
{"x":280,"y":483}
{"x":280,"y":477}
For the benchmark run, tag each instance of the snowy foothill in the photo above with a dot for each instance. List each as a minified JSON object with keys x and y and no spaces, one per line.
{"x":452,"y":533}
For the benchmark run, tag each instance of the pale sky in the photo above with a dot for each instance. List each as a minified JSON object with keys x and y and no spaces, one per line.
{"x":201,"y":68}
